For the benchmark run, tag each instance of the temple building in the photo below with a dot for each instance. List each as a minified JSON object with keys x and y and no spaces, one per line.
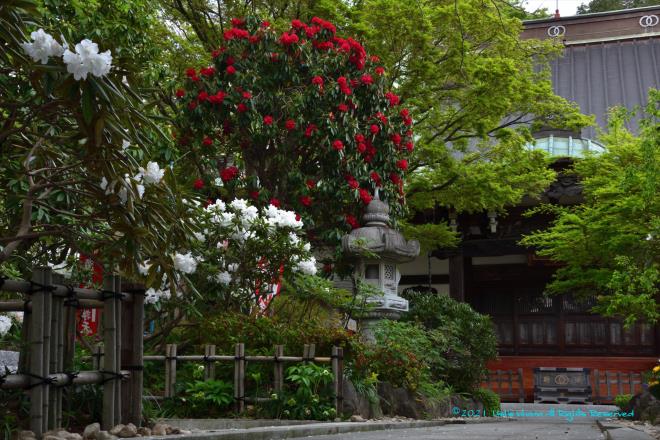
{"x":609,"y":59}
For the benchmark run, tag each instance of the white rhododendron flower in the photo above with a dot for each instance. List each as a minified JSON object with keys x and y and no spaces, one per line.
{"x":143,"y":268}
{"x":223,"y":278}
{"x":5,"y":324}
{"x":239,"y":204}
{"x":87,"y":59}
{"x":233,"y":267}
{"x":281,"y":218}
{"x":308,"y":267}
{"x":43,"y":46}
{"x":153,"y":173}
{"x":152,"y":296}
{"x":185,"y":263}
{"x":199,"y":236}
{"x":140,"y":190}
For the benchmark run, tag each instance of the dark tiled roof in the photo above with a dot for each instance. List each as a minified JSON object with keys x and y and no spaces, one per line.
{"x":601,"y":75}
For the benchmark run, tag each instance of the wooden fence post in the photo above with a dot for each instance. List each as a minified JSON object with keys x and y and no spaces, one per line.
{"x":56,"y":356}
{"x":278,"y":369}
{"x":336,"y":380}
{"x":38,"y":362}
{"x":110,"y":355}
{"x":239,"y":377}
{"x":170,"y":370}
{"x":97,"y":357}
{"x":117,"y":366}
{"x":521,"y":384}
{"x":137,"y":375}
{"x":209,"y":366}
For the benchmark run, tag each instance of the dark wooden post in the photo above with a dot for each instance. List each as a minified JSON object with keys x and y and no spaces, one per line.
{"x":458,"y":267}
{"x":56,"y":356}
{"x":132,"y":357}
{"x":278,"y":369}
{"x":170,"y":370}
{"x":337,"y":376}
{"x":38,"y":361}
{"x":521,"y":384}
{"x":112,"y":355}
{"x":239,"y":377}
{"x":209,"y":366}
{"x":596,"y":386}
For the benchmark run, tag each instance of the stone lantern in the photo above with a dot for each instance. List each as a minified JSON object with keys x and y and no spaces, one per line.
{"x":385,"y":248}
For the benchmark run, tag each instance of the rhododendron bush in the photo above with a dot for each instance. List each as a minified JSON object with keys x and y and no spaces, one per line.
{"x":239,"y":255}
{"x":300,"y":119}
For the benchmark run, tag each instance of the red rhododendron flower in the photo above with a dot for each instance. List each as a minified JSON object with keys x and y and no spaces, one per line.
{"x":275,"y":202}
{"x":409,"y":146}
{"x":402,"y":164}
{"x":318,"y":81}
{"x":288,"y":39}
{"x":342,"y":107}
{"x":396,"y":139}
{"x":297,"y":24}
{"x":395,"y":178}
{"x":309,"y":131}
{"x":376,"y":178}
{"x":218,"y":98}
{"x":306,"y":200}
{"x":229,"y":173}
{"x":352,"y":221}
{"x":241,"y":108}
{"x":265,"y":24}
{"x":352,"y":183}
{"x":237,"y":22}
{"x":190,"y":72}
{"x":367,"y":79}
{"x":230,"y":70}
{"x":365,"y":196}
{"x":374,"y":129}
{"x":338,"y":145}
{"x":290,"y":124}
{"x":207,"y":71}
{"x":379,"y":70}
{"x":216,"y":53}
{"x":359,"y":137}
{"x":407,"y":121}
{"x":207,"y":141}
{"x":192,"y":105}
{"x":198,"y":184}
{"x":310,"y":183}
{"x":375,"y":59}
{"x":236,"y":33}
{"x":229,"y":60}
{"x":404,"y":113}
{"x":362,"y":147}
{"x":298,"y":217}
{"x":247,"y":95}
{"x":180,"y":93}
{"x":202,"y":96}
{"x":394,"y":100}
{"x":268,"y":120}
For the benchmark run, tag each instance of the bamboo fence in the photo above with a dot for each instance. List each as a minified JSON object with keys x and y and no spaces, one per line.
{"x":49,"y":335}
{"x":240,"y":360}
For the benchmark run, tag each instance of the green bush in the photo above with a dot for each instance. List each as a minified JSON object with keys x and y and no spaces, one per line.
{"x":622,"y":400}
{"x":490,"y":399}
{"x":307,"y":394}
{"x":463,"y":339}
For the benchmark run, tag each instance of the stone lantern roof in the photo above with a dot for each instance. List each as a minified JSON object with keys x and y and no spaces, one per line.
{"x":377,"y":236}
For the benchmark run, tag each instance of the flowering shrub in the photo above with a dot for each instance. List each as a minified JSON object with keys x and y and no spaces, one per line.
{"x":239,"y":253}
{"x":303,"y":117}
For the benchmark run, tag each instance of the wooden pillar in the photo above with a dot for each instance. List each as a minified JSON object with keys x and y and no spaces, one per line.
{"x":112,"y":353}
{"x":459,"y":268}
{"x":278,"y":369}
{"x":117,"y":349}
{"x":56,"y":356}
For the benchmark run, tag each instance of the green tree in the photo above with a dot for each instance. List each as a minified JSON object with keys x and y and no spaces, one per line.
{"x":610,"y":245}
{"x":613,"y":5}
{"x":477,"y":91}
{"x":73,"y":156}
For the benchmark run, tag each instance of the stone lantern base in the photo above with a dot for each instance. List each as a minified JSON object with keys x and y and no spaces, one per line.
{"x":384,"y":307}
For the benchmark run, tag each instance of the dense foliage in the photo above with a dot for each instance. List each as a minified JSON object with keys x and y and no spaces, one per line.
{"x":301,"y":119}
{"x":612,"y":5}
{"x":463,"y":340}
{"x":609,"y":244}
